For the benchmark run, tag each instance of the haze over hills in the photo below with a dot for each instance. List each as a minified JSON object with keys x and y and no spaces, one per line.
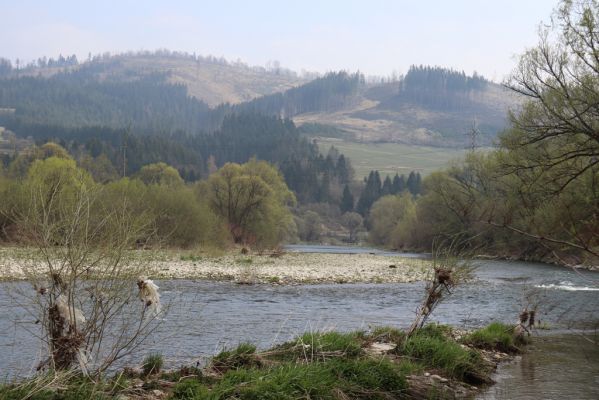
{"x":210,"y":79}
{"x":429,"y":106}
{"x":173,"y":96}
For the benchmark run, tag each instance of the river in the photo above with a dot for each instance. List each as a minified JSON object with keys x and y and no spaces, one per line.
{"x":204,"y":317}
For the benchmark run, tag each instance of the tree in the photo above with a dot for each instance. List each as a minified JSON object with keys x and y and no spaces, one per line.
{"x":387,"y":186}
{"x":559,"y":79}
{"x":347,"y":201}
{"x":353,"y":222}
{"x":370,"y":193}
{"x":554,"y":142}
{"x":310,"y":226}
{"x":399,"y":184}
{"x":392,"y":219}
{"x":414,"y":182}
{"x":83,"y":282}
{"x":160,"y":174}
{"x":253,"y":198}
{"x":100,"y":168}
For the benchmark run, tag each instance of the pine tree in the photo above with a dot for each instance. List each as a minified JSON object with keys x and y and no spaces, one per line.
{"x":387,"y":187}
{"x":347,"y":200}
{"x":413,"y":183}
{"x":399,"y":184}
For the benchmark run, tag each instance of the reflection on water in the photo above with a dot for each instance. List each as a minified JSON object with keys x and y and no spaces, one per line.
{"x":554,"y":367}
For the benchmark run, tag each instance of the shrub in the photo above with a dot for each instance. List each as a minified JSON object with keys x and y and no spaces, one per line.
{"x":152,"y":364}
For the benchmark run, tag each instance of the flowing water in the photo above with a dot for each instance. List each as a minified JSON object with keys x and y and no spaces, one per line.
{"x":205,"y":317}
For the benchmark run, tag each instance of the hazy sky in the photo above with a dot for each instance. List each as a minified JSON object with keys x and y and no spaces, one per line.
{"x":374,"y":36}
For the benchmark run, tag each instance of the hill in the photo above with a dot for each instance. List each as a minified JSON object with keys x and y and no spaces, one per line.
{"x":422,"y":109}
{"x":164,"y":93}
{"x":209,"y":79}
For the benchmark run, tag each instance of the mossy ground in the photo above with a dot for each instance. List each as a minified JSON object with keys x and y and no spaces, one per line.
{"x":320,"y":365}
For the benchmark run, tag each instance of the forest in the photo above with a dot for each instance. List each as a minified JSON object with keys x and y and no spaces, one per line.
{"x":505,"y":199}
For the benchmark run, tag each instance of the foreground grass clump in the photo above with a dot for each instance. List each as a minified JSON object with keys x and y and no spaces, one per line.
{"x":316,"y":365}
{"x":62,"y":386}
{"x":315,"y":346}
{"x":152,"y":364}
{"x":433,"y":349}
{"x":387,"y":334}
{"x":496,"y":336}
{"x":244,"y":356}
{"x":363,"y":378}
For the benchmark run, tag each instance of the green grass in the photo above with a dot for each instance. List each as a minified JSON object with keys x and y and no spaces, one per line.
{"x":190,"y":257}
{"x":244,"y":356}
{"x":58,"y":387}
{"x":433,"y":349}
{"x":392,"y":158}
{"x":496,"y":336}
{"x":387,"y":334}
{"x":314,"y":346}
{"x":152,"y":364}
{"x":333,"y":379}
{"x":316,"y":365}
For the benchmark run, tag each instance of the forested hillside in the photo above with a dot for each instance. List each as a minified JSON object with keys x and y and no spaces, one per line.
{"x":153,"y":93}
{"x":428,"y":106}
{"x":211,"y":79}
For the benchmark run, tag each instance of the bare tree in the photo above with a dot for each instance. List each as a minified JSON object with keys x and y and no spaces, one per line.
{"x":84,"y":274}
{"x":451,"y":267}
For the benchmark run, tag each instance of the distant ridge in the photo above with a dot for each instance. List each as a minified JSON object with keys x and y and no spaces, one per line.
{"x":165,"y":92}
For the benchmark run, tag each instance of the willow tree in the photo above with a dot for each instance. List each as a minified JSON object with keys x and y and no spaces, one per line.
{"x":253,"y":199}
{"x":553,"y":147}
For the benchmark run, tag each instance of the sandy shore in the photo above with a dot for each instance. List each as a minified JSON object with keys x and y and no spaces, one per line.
{"x":288,"y":268}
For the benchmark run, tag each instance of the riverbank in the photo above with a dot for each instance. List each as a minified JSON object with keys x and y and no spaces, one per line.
{"x":436,"y":362}
{"x":282,"y":268}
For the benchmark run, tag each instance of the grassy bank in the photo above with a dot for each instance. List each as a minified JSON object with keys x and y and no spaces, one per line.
{"x":436,"y":362}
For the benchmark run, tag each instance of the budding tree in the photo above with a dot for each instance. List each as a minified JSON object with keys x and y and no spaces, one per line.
{"x":82,"y":271}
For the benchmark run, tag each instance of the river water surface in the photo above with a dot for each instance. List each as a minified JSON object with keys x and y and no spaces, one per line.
{"x":204,"y":317}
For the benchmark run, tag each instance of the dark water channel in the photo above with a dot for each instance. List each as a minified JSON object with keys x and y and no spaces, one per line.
{"x":205,"y":317}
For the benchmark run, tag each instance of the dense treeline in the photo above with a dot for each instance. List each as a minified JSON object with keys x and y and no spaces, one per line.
{"x":439,"y":88}
{"x":328,"y":93}
{"x":483,"y":200}
{"x":374,"y":189}
{"x":107,"y":59}
{"x":76,"y":99}
{"x":47,"y":180}
{"x":148,"y":104}
{"x":312,"y":176}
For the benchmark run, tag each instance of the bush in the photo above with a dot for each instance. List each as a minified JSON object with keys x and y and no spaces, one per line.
{"x":152,"y":364}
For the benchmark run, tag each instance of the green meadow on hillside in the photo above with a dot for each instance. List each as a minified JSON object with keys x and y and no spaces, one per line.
{"x":392,"y":158}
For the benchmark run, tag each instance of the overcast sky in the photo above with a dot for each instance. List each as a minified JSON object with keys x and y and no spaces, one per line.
{"x":373,"y":36}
